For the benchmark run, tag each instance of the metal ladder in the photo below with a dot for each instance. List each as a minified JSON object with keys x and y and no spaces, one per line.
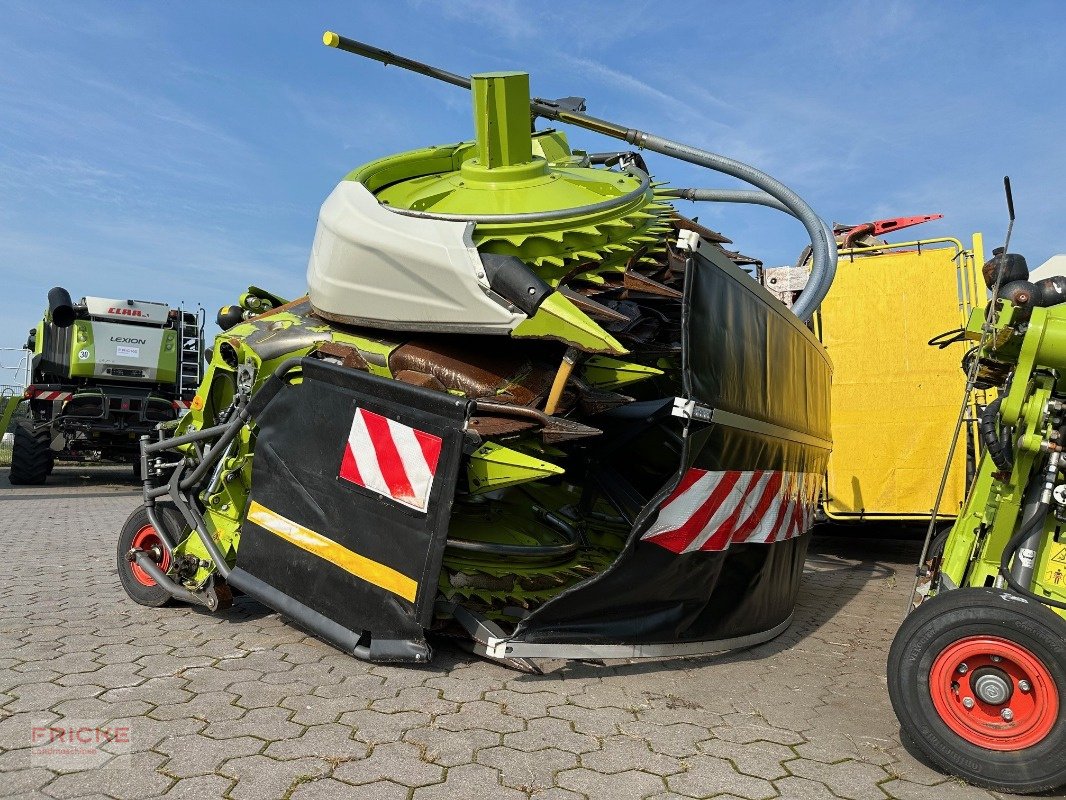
{"x":191,"y":365}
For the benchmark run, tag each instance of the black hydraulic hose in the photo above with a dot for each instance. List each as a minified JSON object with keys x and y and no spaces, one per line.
{"x":1024,"y":531}
{"x":520,"y":551}
{"x":993,"y":440}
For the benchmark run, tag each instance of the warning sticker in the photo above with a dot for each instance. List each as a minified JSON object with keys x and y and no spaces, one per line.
{"x":1055,"y":571}
{"x":128,"y":352}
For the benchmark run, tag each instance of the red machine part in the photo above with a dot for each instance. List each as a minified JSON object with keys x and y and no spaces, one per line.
{"x":882,"y":226}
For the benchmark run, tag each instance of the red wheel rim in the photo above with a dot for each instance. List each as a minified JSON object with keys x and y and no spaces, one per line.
{"x":147,"y":539}
{"x":1025,"y":717}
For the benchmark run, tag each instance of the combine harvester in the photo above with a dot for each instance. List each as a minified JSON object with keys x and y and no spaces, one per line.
{"x":524,"y":404}
{"x":103,"y":373}
{"x":977,"y":672}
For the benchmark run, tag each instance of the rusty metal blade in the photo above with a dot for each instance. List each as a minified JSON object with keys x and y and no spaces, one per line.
{"x":636,"y":282}
{"x":591,"y":307}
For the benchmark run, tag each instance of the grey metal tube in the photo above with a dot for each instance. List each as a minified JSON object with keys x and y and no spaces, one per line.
{"x":775,"y":195}
{"x":751,"y":196}
{"x":145,"y":562}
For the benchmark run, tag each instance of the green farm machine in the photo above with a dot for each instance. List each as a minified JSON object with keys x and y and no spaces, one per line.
{"x":525,"y":405}
{"x":977,"y":672}
{"x":103,"y":372}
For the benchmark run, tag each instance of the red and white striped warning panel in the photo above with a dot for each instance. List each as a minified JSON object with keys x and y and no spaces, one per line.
{"x":182,"y":405}
{"x":710,"y":510}
{"x":53,"y":395}
{"x":391,"y":459}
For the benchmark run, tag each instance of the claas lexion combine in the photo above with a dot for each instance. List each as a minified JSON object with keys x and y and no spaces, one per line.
{"x":524,"y":404}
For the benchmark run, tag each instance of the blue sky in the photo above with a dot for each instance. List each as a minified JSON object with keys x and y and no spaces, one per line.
{"x":180,"y":151}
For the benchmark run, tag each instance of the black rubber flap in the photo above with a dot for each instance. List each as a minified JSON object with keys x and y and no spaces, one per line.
{"x":746,"y":354}
{"x":352,"y":491}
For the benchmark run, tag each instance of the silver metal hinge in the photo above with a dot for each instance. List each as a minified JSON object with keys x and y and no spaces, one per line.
{"x":690,"y":409}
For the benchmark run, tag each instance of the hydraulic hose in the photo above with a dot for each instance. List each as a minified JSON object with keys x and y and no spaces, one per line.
{"x":521,"y":551}
{"x":1030,"y":527}
{"x":994,"y":441}
{"x":823,"y":246}
{"x":753,"y":197}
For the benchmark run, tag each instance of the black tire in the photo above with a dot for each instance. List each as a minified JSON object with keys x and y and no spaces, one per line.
{"x":919,"y":653}
{"x":130,"y":575}
{"x":31,"y":456}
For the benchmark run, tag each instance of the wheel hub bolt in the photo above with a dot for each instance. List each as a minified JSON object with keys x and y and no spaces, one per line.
{"x":1024,"y":686}
{"x":963,"y":669}
{"x":1007,"y":714}
{"x":967,"y":702}
{"x":997,"y":659}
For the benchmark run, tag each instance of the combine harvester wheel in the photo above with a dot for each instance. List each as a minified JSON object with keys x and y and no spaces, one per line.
{"x":31,"y":457}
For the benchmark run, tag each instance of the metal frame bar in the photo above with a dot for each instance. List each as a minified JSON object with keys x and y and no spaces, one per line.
{"x":516,"y":648}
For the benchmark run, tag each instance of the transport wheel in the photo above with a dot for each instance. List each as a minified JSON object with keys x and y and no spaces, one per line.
{"x":977,"y":678}
{"x":31,"y":457}
{"x":139,"y":533}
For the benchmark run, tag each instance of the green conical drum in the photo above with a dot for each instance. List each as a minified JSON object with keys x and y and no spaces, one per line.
{"x":529,"y":194}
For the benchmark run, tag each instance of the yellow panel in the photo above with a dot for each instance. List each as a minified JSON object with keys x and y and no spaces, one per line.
{"x":895,"y":398}
{"x":317,"y":544}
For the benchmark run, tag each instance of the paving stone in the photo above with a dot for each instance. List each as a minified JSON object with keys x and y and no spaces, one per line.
{"x":622,"y":753}
{"x":598,"y":722}
{"x":546,"y":732}
{"x":480,"y":715}
{"x":200,"y":787}
{"x":527,"y":705}
{"x":25,"y":780}
{"x":630,"y":785}
{"x":416,"y":698}
{"x":45,"y":696}
{"x":527,"y":771}
{"x":375,"y":727}
{"x":905,"y":790}
{"x":469,"y":780}
{"x":451,"y":748}
{"x":132,"y":776}
{"x":260,"y":777}
{"x":269,"y":724}
{"x":330,"y":742}
{"x":794,"y":788}
{"x":760,"y":759}
{"x":672,"y":740}
{"x":188,"y":756}
{"x":849,"y":779}
{"x":399,"y":762}
{"x":707,"y":776}
{"x":206,"y":706}
{"x":311,"y":709}
{"x":331,"y":789}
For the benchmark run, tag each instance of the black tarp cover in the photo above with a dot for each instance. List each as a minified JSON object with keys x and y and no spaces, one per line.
{"x":744,"y":354}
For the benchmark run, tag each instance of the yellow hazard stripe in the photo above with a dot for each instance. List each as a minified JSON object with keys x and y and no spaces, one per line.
{"x":315,"y":543}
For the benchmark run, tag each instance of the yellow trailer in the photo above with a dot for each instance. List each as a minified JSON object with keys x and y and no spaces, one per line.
{"x":896,"y":397}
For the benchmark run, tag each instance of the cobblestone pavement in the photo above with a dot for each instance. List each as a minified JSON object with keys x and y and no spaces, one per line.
{"x":242,"y":705}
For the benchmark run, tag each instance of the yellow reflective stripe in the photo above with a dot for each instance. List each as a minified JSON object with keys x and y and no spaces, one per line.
{"x":315,"y":543}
